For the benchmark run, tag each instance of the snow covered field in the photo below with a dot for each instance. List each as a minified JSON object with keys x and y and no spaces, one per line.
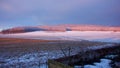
{"x":104,"y":36}
{"x":38,"y":60}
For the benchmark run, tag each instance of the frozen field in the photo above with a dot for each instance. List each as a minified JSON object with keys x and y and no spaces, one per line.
{"x":104,"y":36}
{"x":34,"y":54}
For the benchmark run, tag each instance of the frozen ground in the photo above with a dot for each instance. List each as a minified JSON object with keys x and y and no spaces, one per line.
{"x":104,"y":63}
{"x":38,"y":60}
{"x":105,"y":36}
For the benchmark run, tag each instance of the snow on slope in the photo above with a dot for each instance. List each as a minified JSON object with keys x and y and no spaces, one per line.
{"x":105,"y":36}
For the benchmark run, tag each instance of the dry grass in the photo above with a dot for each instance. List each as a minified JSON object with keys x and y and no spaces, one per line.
{"x":16,"y":40}
{"x":15,"y":47}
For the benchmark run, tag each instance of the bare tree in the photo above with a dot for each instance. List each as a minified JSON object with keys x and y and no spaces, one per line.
{"x":66,"y":51}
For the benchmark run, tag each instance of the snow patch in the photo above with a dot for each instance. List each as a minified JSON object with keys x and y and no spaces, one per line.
{"x":104,"y":63}
{"x":104,"y":36}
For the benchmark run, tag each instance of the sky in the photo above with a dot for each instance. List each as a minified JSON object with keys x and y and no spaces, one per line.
{"x":15,"y":13}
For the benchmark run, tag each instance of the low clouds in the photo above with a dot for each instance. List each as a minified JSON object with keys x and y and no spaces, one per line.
{"x":37,"y":12}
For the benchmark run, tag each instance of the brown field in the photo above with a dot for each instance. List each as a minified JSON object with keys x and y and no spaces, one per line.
{"x":5,"y":41}
{"x":14,"y":46}
{"x":50,"y":44}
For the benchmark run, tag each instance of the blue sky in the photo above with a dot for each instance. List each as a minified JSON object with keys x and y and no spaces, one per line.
{"x":15,"y":13}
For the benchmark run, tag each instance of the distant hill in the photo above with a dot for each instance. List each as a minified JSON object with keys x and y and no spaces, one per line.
{"x":59,"y":28}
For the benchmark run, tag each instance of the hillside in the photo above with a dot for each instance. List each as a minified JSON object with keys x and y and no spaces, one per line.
{"x":60,"y":28}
